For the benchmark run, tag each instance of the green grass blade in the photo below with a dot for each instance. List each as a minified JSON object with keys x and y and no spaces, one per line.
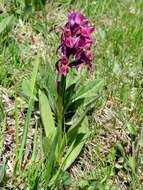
{"x":33,"y":158}
{"x":5,"y":23}
{"x":28,"y":116}
{"x":16,"y":129}
{"x":2,"y":135}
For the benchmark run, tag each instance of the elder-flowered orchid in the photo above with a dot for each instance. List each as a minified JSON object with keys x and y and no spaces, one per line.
{"x":76,"y":41}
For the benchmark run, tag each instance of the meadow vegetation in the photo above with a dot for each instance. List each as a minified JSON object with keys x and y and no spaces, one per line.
{"x":112,"y":156}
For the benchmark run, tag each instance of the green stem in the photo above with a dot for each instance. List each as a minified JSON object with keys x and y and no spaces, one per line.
{"x":61,"y":85}
{"x":60,"y":113}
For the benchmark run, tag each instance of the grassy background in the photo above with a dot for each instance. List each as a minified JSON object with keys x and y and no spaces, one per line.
{"x":113,"y":156}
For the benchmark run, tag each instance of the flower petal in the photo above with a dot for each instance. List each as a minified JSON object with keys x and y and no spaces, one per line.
{"x":89,"y":55}
{"x":70,"y":41}
{"x":86,"y":30}
{"x":64,"y":60}
{"x":64,"y":69}
{"x":76,"y":18}
{"x":90,"y":67}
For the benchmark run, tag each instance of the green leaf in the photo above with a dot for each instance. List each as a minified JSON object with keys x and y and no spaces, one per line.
{"x":5,"y":23}
{"x":51,"y":158}
{"x":74,"y":127}
{"x":16,"y":128}
{"x":26,"y":88}
{"x":2,"y":172}
{"x":77,"y":145}
{"x":83,"y":184}
{"x":46,"y":145}
{"x":89,"y":89}
{"x":132,"y":163}
{"x":51,"y":80}
{"x":73,"y":151}
{"x":132,"y":129}
{"x":3,"y":127}
{"x":34,"y":151}
{"x":66,"y":178}
{"x":72,"y":132}
{"x":2,"y":115}
{"x":115,"y":188}
{"x":73,"y":108}
{"x":141,"y":138}
{"x":28,"y":115}
{"x":46,"y":116}
{"x":125,"y":93}
{"x":27,"y":11}
{"x":69,"y":94}
{"x":28,"y":2}
{"x":71,"y":1}
{"x":141,"y":158}
{"x":121,"y":149}
{"x":49,"y":83}
{"x":112,"y":154}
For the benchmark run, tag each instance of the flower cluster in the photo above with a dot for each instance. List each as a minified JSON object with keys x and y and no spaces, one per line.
{"x":76,"y":41}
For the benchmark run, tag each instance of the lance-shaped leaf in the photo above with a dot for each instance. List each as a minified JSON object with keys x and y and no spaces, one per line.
{"x":2,"y":172}
{"x":46,"y":116}
{"x":132,"y":163}
{"x":72,"y":109}
{"x":69,"y":94}
{"x":73,"y":130}
{"x":77,"y":145}
{"x":51,"y":158}
{"x":6,"y":23}
{"x":89,"y":89}
{"x":51,"y":82}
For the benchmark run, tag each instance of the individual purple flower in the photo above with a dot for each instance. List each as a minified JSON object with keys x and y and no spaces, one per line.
{"x":64,"y":69}
{"x":76,"y":41}
{"x":76,"y":18}
{"x":64,"y":60}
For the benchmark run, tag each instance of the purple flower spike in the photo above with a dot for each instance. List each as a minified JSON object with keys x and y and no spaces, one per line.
{"x":76,"y":41}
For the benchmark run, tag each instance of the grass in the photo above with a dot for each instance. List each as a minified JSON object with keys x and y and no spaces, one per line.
{"x":113,"y":157}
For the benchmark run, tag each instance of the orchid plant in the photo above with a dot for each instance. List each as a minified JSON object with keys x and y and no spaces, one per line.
{"x":65,"y":101}
{"x":75,"y":49}
{"x":64,"y":114}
